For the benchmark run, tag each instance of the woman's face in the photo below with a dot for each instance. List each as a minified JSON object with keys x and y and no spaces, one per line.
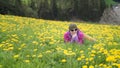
{"x":73,"y":31}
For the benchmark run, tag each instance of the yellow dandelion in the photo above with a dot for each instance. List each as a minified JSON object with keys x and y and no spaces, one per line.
{"x":110,"y":59}
{"x":91,"y":58}
{"x":14,"y":35}
{"x":27,"y":55}
{"x":85,"y":66}
{"x":15,"y":56}
{"x":65,"y":51}
{"x":33,"y":55}
{"x":92,"y":55}
{"x":3,"y":30}
{"x":35,"y":42}
{"x":27,"y":61}
{"x":24,"y":35}
{"x":40,"y":56}
{"x":14,"y":40}
{"x":81,"y":51}
{"x":63,"y":60}
{"x":10,"y":48}
{"x":35,"y":49}
{"x":105,"y":66}
{"x":51,"y":42}
{"x":93,"y":51}
{"x":19,"y":48}
{"x":23,"y":45}
{"x":1,"y":45}
{"x":86,"y":59}
{"x":101,"y":65}
{"x":91,"y":66}
{"x":48,"y":51}
{"x":87,"y":62}
{"x":82,"y":56}
{"x":79,"y":58}
{"x":118,"y":65}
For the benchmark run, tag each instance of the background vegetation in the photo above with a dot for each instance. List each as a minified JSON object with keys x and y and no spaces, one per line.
{"x":86,"y":10}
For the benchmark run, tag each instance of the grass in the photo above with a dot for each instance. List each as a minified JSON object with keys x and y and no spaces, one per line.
{"x":37,"y":43}
{"x":109,"y":3}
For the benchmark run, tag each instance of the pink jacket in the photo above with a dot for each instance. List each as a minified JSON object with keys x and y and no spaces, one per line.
{"x":68,"y":37}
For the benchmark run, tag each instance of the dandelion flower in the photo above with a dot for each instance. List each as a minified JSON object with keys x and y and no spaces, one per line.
{"x":85,"y":66}
{"x":40,"y":55}
{"x":63,"y":60}
{"x":91,"y":66}
{"x":15,"y":56}
{"x":27,"y":61}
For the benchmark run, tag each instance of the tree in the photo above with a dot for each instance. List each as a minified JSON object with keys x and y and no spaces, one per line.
{"x":116,"y":0}
{"x":13,"y":9}
{"x":54,"y":9}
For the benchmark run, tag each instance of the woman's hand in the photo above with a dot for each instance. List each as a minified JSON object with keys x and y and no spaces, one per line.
{"x":74,"y":35}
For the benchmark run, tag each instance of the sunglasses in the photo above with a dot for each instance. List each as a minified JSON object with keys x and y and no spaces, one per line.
{"x":74,"y":30}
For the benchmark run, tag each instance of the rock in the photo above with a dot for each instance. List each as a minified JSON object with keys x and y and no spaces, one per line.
{"x":111,"y":15}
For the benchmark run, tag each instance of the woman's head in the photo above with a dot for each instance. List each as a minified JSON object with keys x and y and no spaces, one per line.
{"x":73,"y":28}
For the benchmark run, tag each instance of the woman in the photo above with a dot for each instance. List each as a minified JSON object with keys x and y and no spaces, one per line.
{"x":74,"y":35}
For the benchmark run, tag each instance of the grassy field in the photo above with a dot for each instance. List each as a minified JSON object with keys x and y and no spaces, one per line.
{"x":37,"y":43}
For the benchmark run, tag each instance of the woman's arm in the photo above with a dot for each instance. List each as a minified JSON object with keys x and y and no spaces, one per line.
{"x":66,"y":38}
{"x":89,"y":38}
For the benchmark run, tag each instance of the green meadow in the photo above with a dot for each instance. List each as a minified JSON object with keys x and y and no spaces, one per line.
{"x":37,"y":43}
